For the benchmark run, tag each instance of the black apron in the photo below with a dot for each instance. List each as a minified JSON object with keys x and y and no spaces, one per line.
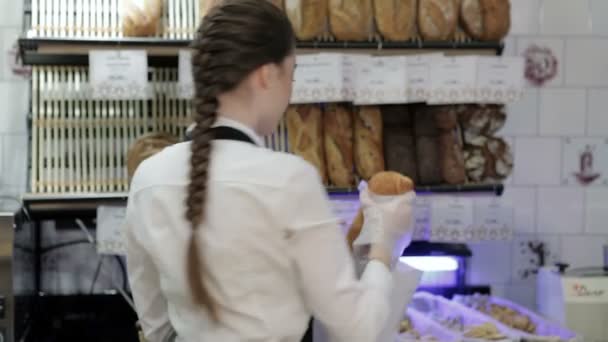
{"x":229,"y":133}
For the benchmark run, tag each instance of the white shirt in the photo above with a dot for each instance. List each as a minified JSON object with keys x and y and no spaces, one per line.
{"x":271,"y":243}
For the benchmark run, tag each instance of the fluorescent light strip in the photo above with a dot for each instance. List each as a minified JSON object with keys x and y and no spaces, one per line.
{"x":431,"y":263}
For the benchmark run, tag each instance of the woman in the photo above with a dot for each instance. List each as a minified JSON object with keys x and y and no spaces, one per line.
{"x":229,"y":241}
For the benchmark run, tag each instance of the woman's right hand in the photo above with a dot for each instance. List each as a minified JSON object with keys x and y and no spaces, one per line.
{"x":387,"y":226}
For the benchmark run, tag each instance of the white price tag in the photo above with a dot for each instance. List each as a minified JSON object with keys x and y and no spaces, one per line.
{"x":422,"y":218}
{"x":419,"y":76}
{"x":318,"y":78}
{"x":453,"y":80}
{"x":452,"y":219}
{"x":500,"y":79}
{"x":349,"y":79}
{"x":118,"y":74}
{"x":494,"y":220}
{"x":381,"y":80}
{"x":185,"y":81}
{"x":111,"y":230}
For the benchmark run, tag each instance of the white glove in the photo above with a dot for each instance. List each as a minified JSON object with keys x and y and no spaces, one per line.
{"x":387,"y":221}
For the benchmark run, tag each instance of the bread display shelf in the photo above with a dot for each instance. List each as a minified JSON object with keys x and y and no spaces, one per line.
{"x":163,"y":52}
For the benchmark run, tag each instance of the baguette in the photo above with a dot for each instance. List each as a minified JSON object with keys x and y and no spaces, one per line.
{"x":308,"y":17}
{"x":351,"y":19}
{"x":396,"y":19}
{"x":369,"y":152}
{"x":338,"y":141}
{"x":305,"y":130}
{"x":437,"y":19}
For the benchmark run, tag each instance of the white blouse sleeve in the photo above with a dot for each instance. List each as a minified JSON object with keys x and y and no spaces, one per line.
{"x":144,"y":280}
{"x":350,"y":309}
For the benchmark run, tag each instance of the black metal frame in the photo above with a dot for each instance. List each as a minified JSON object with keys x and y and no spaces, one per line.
{"x":30,"y":54}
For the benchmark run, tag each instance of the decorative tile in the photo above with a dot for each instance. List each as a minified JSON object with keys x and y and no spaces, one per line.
{"x":555,"y":12}
{"x":522,"y":116}
{"x":560,"y":210}
{"x":544,"y":64}
{"x":586,"y":62}
{"x":537,"y":161}
{"x":597,"y":119}
{"x":596,"y":220}
{"x":530,"y":252}
{"x":562,"y":112}
{"x":585,"y":161}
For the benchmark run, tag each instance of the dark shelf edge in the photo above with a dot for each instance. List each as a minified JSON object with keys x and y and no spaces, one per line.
{"x":425,"y":248}
{"x":494,"y":188}
{"x":31,"y":56}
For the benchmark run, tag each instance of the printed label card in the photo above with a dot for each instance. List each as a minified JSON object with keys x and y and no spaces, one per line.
{"x":500,"y":79}
{"x":381,"y":80}
{"x":419,"y":76}
{"x":452,"y":219}
{"x":453,"y":80}
{"x":119,"y":74}
{"x":494,"y":220}
{"x":318,"y":78}
{"x":111,"y":230}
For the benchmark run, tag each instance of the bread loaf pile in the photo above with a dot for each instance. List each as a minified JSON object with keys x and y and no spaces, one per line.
{"x":432,"y":145}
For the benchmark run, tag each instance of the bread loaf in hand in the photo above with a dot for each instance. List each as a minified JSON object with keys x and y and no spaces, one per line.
{"x":384,"y":183}
{"x":338,"y":130}
{"x":369,"y":151}
{"x":305,"y":130}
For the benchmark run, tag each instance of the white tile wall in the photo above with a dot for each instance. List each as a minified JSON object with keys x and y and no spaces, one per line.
{"x":562,"y":112}
{"x":556,"y":45}
{"x":524,"y":205}
{"x":15,"y":153}
{"x":573,"y":247}
{"x":8,"y":44}
{"x":11,"y":14}
{"x":537,"y":161}
{"x":524,"y":17}
{"x":490,"y":264}
{"x":560,"y":210}
{"x":596,"y":213}
{"x":523,"y":115}
{"x":587,"y":62}
{"x":599,"y":24}
{"x":597,"y":113}
{"x":523,"y":294}
{"x":565,"y":17}
{"x":14,"y":99}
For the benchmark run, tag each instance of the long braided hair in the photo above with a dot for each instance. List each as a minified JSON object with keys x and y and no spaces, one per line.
{"x":235,"y":38}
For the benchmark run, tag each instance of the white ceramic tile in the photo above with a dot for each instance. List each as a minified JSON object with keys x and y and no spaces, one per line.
{"x":510,"y":48}
{"x":560,"y":210}
{"x":596,"y":220}
{"x":14,"y":99}
{"x":526,"y":261}
{"x":490,"y":263}
{"x":565,"y":17}
{"x":562,"y":112}
{"x":15,"y":153}
{"x":583,"y":251}
{"x":524,"y":295}
{"x":8,"y":45}
{"x":537,"y":161}
{"x":587,"y":62}
{"x":585,"y":161}
{"x":597,"y":113}
{"x":547,"y":52}
{"x":522,"y":116}
{"x":11,"y":14}
{"x":524,"y":17}
{"x":524,"y":207}
{"x":599,"y":24}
